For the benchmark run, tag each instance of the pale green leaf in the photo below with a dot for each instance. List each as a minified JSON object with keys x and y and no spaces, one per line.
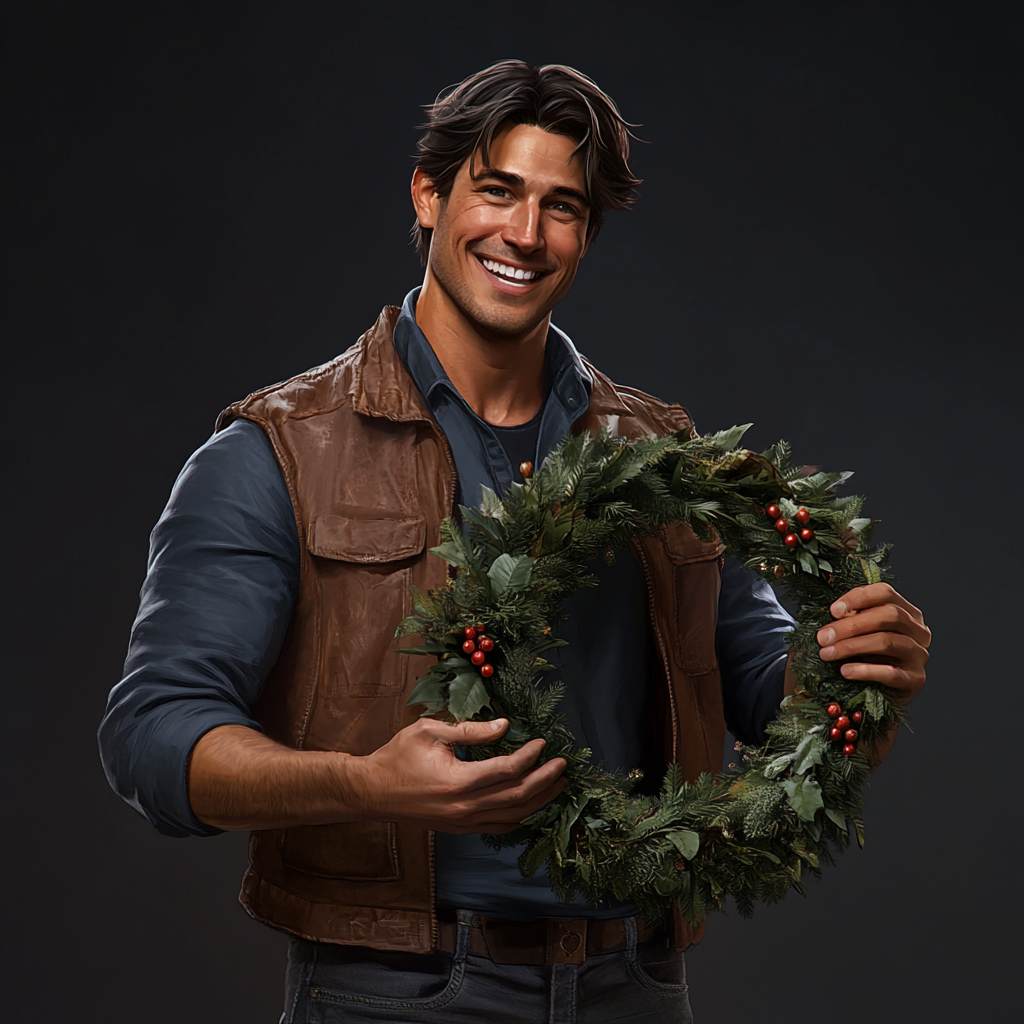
{"x":686,"y":841}
{"x":804,"y":796}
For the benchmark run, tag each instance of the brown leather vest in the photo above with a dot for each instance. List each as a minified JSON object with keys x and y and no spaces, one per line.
{"x":371,"y":477}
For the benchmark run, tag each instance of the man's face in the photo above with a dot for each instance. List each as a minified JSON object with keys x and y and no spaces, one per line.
{"x":506,"y":244}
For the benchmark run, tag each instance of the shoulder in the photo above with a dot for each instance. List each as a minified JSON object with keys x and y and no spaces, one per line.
{"x":323,"y":389}
{"x":319,"y":389}
{"x":634,"y":412}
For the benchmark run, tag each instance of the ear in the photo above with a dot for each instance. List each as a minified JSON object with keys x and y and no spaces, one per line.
{"x":424,"y":199}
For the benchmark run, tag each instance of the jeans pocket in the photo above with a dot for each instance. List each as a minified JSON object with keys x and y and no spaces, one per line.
{"x":658,"y":970}
{"x":396,"y":982}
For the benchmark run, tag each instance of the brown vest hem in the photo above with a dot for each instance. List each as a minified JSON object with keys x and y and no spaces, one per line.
{"x":407,"y":931}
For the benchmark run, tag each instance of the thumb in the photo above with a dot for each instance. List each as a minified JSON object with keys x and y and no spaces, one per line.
{"x":470,"y":733}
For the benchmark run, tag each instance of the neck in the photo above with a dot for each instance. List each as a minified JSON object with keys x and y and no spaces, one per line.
{"x":501,"y":378}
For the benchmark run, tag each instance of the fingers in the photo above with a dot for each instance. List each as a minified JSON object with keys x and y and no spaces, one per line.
{"x":504,"y":817}
{"x":498,"y":772}
{"x":904,"y":681}
{"x":468,"y":734}
{"x":886,"y":618}
{"x":869,"y":596}
{"x":893,"y":647}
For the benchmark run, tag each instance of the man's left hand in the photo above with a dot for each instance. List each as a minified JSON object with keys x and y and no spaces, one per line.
{"x":883,"y":633}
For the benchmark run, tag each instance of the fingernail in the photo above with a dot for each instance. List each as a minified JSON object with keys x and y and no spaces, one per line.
{"x":827,"y":653}
{"x":497,"y":724}
{"x":826,"y":636}
{"x":838,"y":609}
{"x":846,"y":669}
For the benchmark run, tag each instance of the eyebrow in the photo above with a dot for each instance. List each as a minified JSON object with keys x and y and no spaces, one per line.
{"x":514,"y":179}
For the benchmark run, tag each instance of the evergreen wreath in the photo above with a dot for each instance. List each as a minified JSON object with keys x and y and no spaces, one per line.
{"x":750,"y":833}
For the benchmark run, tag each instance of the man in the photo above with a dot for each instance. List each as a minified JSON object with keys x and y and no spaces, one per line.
{"x":262,"y":690}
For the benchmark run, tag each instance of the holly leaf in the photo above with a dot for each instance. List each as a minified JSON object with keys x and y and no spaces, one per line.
{"x":467,"y":695}
{"x":823,"y":564}
{"x":510,"y":572}
{"x":804,"y":795}
{"x":686,"y":841}
{"x":430,"y":691}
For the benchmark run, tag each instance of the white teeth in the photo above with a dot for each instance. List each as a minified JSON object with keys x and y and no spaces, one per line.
{"x":509,"y":273}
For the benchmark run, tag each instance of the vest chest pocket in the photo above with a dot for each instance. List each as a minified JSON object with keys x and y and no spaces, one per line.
{"x":364,"y":561}
{"x":696,"y":583}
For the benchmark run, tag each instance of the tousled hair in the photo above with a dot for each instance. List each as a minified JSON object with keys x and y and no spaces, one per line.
{"x":464,"y":119}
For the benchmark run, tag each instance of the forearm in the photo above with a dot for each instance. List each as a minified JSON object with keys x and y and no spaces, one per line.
{"x":239,"y":779}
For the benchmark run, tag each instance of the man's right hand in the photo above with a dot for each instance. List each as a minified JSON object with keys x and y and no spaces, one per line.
{"x":241,"y":779}
{"x":416,"y":779}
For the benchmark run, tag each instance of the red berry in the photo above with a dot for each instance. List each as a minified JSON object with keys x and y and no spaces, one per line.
{"x":486,"y":670}
{"x":526,"y":470}
{"x":469,"y":633}
{"x":480,"y":627}
{"x":781,"y":525}
{"x":792,"y":540}
{"x":803,"y":516}
{"x":857,"y":717}
{"x":478,"y":657}
{"x":848,"y":749}
{"x":773,"y":511}
{"x":843,"y":722}
{"x":468,"y":646}
{"x":851,"y":735}
{"x":835,"y":734}
{"x":486,"y":643}
{"x":834,"y":710}
{"x":806,"y":534}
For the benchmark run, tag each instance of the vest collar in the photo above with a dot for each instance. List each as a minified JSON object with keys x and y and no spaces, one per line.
{"x":381,"y":385}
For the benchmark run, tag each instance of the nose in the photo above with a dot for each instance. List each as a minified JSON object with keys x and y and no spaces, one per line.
{"x":522,"y":229}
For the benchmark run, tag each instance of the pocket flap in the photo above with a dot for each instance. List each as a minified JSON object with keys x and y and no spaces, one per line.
{"x":370,"y":536}
{"x":684,"y":546}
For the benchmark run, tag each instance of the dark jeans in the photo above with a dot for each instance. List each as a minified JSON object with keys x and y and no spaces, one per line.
{"x":328,"y":984}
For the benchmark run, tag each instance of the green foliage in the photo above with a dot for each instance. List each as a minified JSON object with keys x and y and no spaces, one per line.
{"x":750,"y":834}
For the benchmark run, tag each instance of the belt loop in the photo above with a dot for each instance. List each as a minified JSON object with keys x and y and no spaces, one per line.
{"x":464,"y":920}
{"x":630,"y":923}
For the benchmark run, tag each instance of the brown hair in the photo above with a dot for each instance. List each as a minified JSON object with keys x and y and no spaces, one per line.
{"x":465,"y":118}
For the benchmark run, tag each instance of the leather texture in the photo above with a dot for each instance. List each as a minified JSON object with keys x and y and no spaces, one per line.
{"x":371,"y":478}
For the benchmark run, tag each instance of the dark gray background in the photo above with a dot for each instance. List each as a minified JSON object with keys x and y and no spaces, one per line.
{"x":201,"y":199}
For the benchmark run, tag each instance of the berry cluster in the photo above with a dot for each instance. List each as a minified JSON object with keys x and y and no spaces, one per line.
{"x":790,"y":536}
{"x":844,"y":727}
{"x":478,"y":646}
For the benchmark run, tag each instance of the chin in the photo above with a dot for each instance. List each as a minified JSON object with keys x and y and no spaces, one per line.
{"x":495,"y":319}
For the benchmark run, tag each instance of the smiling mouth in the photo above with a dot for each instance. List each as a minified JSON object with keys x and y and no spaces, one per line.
{"x":509,"y":274}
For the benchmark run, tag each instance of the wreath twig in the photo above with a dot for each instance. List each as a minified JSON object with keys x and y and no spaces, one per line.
{"x":749,"y":833}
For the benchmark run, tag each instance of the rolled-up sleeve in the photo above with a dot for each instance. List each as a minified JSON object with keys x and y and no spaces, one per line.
{"x":751,"y":644}
{"x":214,"y":608}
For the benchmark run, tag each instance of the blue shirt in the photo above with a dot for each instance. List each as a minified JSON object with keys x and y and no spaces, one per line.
{"x":222,"y":584}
